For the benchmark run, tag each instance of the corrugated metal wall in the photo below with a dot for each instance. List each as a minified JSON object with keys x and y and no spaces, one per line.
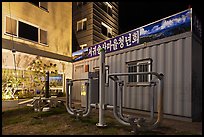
{"x":171,"y":56}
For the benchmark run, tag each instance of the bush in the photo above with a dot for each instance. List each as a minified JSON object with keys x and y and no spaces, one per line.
{"x":60,"y":94}
{"x":25,"y":94}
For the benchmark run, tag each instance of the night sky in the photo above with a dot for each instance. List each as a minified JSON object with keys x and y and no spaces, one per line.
{"x":134,"y":14}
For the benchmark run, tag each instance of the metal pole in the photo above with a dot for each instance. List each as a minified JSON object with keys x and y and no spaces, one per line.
{"x":152,"y":103}
{"x":160,"y":102}
{"x":115,"y":113}
{"x":101,"y":88}
{"x":47,"y":85}
{"x":68,"y":97}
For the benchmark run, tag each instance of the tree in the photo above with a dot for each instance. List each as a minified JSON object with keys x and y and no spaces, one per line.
{"x":32,"y":79}
{"x":38,"y":69}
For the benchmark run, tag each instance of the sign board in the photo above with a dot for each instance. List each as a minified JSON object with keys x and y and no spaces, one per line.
{"x":169,"y":26}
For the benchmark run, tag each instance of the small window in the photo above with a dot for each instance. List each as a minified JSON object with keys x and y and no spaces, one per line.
{"x":28,"y":31}
{"x":83,"y":46}
{"x":44,"y":5}
{"x":81,"y":25}
{"x":79,"y":4}
{"x":43,"y":36}
{"x":11,"y":26}
{"x":35,"y":3}
{"x":106,"y":30}
{"x":140,"y":66}
{"x":107,"y":8}
{"x":143,"y":67}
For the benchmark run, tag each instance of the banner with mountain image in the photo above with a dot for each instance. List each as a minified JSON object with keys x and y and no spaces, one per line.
{"x":173,"y":25}
{"x":169,"y":26}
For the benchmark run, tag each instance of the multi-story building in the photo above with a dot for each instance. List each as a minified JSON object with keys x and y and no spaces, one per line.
{"x":32,"y":29}
{"x":93,"y":22}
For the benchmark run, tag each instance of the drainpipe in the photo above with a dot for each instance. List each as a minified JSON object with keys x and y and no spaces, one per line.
{"x":101,"y":88}
{"x":152,"y":85}
{"x":47,"y":85}
{"x":121,"y":84}
{"x":160,"y":101}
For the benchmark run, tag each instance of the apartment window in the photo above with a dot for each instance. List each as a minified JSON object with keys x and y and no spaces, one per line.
{"x":81,"y":25}
{"x":43,"y":5}
{"x":140,"y":66}
{"x":11,"y":26}
{"x":79,"y":4}
{"x":43,"y":36}
{"x":24,"y":30}
{"x":107,"y":7}
{"x":83,"y":46}
{"x":35,"y":3}
{"x":27,"y":31}
{"x":106,"y":30}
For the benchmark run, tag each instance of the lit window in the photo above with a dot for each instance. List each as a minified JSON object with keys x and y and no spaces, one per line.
{"x":81,"y":25}
{"x":106,"y":30}
{"x":140,"y":66}
{"x":35,"y":3}
{"x":11,"y":26}
{"x":107,"y":7}
{"x":83,"y":46}
{"x":26,"y":30}
{"x":43,"y":5}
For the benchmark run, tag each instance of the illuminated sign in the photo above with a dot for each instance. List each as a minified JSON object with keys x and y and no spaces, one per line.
{"x":169,"y":26}
{"x":120,"y":42}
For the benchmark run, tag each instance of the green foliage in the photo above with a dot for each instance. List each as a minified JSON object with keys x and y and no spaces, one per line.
{"x":14,"y":85}
{"x":9,"y":84}
{"x":25,"y":94}
{"x":38,"y":70}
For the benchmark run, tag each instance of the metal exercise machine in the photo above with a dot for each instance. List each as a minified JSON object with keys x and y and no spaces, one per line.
{"x":42,"y":103}
{"x":136,"y":123}
{"x":78,"y":112}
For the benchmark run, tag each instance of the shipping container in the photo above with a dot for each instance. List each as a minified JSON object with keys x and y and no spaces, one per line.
{"x":171,"y":46}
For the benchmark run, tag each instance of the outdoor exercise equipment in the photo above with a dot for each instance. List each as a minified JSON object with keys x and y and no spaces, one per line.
{"x":78,"y":112}
{"x":134,"y":122}
{"x":42,"y":103}
{"x":137,"y":123}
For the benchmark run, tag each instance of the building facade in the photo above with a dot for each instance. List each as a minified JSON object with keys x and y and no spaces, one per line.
{"x":93,"y":22}
{"x":36,"y":29}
